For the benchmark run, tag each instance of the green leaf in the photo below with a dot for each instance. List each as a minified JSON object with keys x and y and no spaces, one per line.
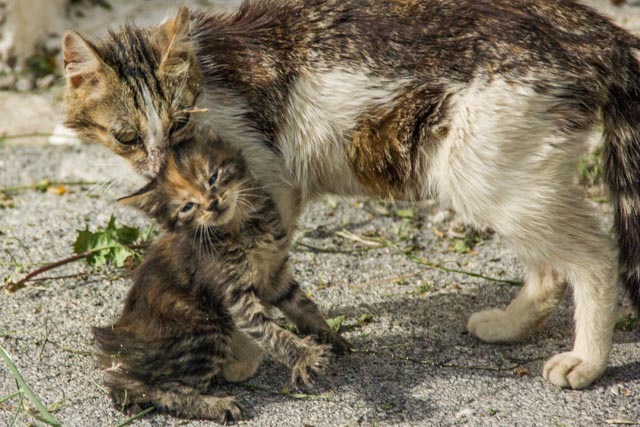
{"x":335,"y":323}
{"x":83,"y":242}
{"x":365,"y":318}
{"x":107,"y":245}
{"x":405,"y":213}
{"x":461,"y":246}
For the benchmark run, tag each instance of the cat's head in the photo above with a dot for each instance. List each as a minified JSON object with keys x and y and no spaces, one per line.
{"x":135,"y":90}
{"x":202,"y":185}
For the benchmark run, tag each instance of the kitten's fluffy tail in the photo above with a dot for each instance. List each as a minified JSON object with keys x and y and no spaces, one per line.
{"x":622,"y":173}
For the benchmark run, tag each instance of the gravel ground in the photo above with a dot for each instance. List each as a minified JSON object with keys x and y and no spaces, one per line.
{"x":417,"y":365}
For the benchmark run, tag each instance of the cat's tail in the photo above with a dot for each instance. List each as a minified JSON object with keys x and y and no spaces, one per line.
{"x":621,"y":158}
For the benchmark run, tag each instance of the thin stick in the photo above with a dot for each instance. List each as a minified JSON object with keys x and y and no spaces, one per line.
{"x":447,"y":269}
{"x":24,"y":135}
{"x":46,"y":184}
{"x":451,"y":365}
{"x":12,"y":287}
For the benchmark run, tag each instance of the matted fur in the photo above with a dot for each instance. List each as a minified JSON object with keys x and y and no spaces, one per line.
{"x":483,"y":103}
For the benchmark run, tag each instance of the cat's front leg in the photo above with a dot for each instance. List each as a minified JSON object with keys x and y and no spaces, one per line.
{"x":304,"y":313}
{"x":306,"y":358}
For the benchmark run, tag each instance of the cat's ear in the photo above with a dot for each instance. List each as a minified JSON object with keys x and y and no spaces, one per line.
{"x":142,"y":199}
{"x":81,"y":59}
{"x":176,"y":49}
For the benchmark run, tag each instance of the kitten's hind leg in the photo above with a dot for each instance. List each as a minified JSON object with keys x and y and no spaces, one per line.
{"x":245,"y":358}
{"x":541,"y":293}
{"x":304,"y":313}
{"x":178,"y":400}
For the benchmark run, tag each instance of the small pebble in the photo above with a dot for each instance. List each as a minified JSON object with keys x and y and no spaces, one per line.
{"x":7,"y":81}
{"x":442,"y":216}
{"x":24,"y":84}
{"x":46,"y":82}
{"x":465,"y":413}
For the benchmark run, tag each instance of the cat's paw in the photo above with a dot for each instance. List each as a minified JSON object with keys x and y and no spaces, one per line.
{"x":223,"y":410}
{"x":494,"y":326}
{"x":569,"y":370}
{"x":339,"y":345}
{"x":309,"y":364}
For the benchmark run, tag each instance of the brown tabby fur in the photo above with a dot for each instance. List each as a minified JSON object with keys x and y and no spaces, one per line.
{"x":200,"y":303}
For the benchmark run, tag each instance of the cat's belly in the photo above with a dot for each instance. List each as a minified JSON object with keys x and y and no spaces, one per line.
{"x":348,"y":133}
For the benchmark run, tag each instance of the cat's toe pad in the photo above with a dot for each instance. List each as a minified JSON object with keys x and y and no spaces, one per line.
{"x":493,"y":326}
{"x":569,"y":370}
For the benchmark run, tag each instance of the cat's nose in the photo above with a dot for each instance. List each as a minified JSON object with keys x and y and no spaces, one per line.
{"x":213,"y":205}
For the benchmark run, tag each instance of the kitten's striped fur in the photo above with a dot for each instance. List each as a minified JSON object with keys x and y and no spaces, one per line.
{"x":482,"y":103}
{"x":199,"y":309}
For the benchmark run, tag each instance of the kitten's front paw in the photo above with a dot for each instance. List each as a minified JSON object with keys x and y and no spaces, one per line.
{"x":569,"y":370}
{"x":313,"y":360}
{"x":223,"y":410}
{"x":494,"y":326}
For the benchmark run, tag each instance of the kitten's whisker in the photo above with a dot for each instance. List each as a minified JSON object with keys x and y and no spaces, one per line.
{"x":210,"y":230}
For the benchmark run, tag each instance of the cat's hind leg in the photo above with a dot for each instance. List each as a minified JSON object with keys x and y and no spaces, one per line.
{"x":177,"y":399}
{"x":509,"y":161}
{"x":541,"y":293}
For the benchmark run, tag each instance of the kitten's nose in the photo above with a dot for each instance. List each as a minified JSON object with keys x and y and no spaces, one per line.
{"x":213,"y":206}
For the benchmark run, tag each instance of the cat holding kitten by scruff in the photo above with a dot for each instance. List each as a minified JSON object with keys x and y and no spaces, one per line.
{"x":199,"y":309}
{"x":483,"y":104}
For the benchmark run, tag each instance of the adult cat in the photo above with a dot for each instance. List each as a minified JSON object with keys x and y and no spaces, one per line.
{"x":484,"y":103}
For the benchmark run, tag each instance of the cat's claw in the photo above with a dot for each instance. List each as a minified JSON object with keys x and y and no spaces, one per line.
{"x":310,"y":364}
{"x":569,"y":370}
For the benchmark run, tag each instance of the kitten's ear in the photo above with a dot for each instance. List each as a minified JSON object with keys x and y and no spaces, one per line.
{"x":142,"y":199}
{"x":81,"y":58}
{"x":176,"y":48}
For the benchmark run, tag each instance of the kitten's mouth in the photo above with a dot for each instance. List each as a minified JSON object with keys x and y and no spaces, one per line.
{"x":223,"y":214}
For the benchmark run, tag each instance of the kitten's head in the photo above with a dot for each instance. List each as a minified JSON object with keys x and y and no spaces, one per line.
{"x":203,"y":184}
{"x":135,"y":90}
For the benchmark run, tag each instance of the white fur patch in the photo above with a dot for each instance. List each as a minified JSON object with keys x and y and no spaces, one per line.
{"x":508,"y":163}
{"x":155,"y":134}
{"x":321,"y":109}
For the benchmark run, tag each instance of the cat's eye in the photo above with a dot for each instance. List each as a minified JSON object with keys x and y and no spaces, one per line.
{"x":179,"y":124}
{"x":130,"y":140}
{"x":213,"y":179}
{"x":186,"y":208}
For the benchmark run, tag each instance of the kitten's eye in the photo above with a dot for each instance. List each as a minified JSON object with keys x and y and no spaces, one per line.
{"x":186,"y":208}
{"x":179,"y":124}
{"x":213,"y":179}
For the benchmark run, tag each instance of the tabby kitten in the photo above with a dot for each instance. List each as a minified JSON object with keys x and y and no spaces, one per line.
{"x":485,"y":104}
{"x":201,"y":297}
